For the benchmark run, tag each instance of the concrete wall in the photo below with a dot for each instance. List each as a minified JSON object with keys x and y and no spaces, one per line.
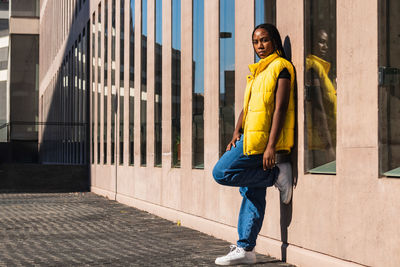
{"x":334,"y":220}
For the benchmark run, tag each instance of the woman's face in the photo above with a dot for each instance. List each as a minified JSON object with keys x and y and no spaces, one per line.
{"x":322,"y":44}
{"x":262,"y":43}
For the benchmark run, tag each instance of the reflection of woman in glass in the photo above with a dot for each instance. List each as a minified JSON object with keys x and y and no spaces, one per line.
{"x":258,"y":158}
{"x":320,"y":104}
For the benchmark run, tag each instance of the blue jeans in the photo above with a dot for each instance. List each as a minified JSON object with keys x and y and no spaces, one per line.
{"x":236,"y":169}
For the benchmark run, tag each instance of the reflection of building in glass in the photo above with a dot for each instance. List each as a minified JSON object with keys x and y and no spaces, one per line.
{"x":64,"y":96}
{"x":176,"y":78}
{"x":264,"y":12}
{"x":4,"y":51}
{"x":19,"y":59}
{"x":158,"y":100}
{"x":227,"y":73}
{"x":227,"y":108}
{"x":198,"y":85}
{"x":158,"y":67}
{"x":143,"y":102}
{"x":143,"y":85}
{"x":176,"y":106}
{"x":131,"y":68}
{"x":176,"y":35}
{"x":198,"y":129}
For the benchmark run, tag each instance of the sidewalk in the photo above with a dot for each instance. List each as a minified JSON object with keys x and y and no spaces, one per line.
{"x":83,"y":229}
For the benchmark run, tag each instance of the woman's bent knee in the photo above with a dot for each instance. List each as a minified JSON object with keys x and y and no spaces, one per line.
{"x":219,"y":174}
{"x":222,"y":170}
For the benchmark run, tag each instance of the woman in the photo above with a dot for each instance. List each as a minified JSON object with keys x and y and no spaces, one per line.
{"x":257,"y":156}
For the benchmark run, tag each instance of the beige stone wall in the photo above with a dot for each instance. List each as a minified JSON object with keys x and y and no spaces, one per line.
{"x":334,"y":220}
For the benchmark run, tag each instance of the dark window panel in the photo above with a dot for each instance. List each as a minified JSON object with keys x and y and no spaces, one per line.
{"x":320,"y":86}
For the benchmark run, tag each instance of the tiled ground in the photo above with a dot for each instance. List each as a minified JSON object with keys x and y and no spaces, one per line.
{"x":83,"y":229}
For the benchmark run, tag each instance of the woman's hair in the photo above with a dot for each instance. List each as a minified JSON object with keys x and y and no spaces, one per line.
{"x":275,"y":37}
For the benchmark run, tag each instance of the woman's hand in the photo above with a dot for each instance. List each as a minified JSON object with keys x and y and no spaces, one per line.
{"x":281,"y":105}
{"x":236,"y":133}
{"x":235,"y":137}
{"x":269,"y":158}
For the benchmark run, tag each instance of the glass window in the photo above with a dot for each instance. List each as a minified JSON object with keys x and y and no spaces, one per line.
{"x":70,"y":104}
{"x":320,"y":86}
{"x":176,"y":83}
{"x":121,"y":125}
{"x":98,"y":81}
{"x":77,"y":98}
{"x":131,"y":80}
{"x":113,"y":116}
{"x":226,"y":73}
{"x":143,"y":88}
{"x":105,"y":125}
{"x":121,"y":83}
{"x":60,"y":115}
{"x":3,"y":115}
{"x":85,"y":84}
{"x":132,"y":43}
{"x":4,"y":24}
{"x":105,"y":78}
{"x":79,"y":121}
{"x":75,"y":104}
{"x":25,"y":8}
{"x":131,"y":124}
{"x":24,"y":60}
{"x":65,"y":112}
{"x":158,"y":86}
{"x":4,"y":58}
{"x":389,"y":87}
{"x":65,"y":109}
{"x":198,"y":85}
{"x":62,"y":111}
{"x":4,"y":31}
{"x":93,"y":82}
{"x":121,"y":43}
{"x":4,"y":5}
{"x":113,"y":89}
{"x":264,"y":12}
{"x":57,"y":116}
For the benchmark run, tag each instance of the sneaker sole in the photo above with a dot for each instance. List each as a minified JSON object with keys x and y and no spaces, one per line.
{"x":236,"y":262}
{"x":289,"y":198}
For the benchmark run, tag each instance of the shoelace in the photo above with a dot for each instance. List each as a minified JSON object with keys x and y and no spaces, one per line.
{"x":234,"y":249}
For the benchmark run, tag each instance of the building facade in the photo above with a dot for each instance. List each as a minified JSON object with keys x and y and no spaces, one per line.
{"x":19,"y":83}
{"x":146,"y":93}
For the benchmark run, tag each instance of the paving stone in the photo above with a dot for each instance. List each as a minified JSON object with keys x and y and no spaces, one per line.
{"x":84,"y":229}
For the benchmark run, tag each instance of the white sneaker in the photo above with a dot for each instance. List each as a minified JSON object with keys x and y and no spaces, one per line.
{"x":237,"y":255}
{"x":284,"y":182}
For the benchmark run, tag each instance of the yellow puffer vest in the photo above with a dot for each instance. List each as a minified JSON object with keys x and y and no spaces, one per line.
{"x":259,"y":106}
